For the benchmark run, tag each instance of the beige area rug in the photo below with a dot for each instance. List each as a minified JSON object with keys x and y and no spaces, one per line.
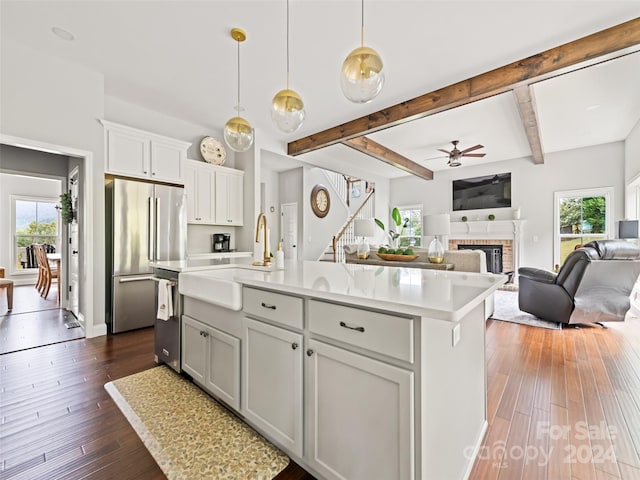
{"x":506,"y":309}
{"x":190,"y":435}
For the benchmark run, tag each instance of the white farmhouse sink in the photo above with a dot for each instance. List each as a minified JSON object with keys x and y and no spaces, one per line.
{"x":218,"y":287}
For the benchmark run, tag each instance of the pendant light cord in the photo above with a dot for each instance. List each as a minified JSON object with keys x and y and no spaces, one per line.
{"x":238,"y":106}
{"x":362,"y":23}
{"x":287,"y":44}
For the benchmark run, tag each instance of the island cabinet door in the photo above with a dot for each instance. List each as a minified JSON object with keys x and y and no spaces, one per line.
{"x":272,"y":382}
{"x":194,"y":348}
{"x":223,"y":368}
{"x":360,"y":416}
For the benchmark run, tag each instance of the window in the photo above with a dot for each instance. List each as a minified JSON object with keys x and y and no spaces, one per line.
{"x":35,"y":220}
{"x":412,"y":234}
{"x":581,"y":216}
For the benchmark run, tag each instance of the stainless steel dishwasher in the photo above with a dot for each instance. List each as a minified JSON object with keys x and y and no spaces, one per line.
{"x":167,"y":332}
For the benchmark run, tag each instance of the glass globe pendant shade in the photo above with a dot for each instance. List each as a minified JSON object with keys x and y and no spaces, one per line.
{"x":238,"y":134}
{"x":362,"y":77}
{"x":287,"y":110}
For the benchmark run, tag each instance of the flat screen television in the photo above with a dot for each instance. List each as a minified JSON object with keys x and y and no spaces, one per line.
{"x":490,"y":191}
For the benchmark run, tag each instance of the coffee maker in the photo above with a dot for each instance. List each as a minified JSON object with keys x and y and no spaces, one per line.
{"x":221,"y":242}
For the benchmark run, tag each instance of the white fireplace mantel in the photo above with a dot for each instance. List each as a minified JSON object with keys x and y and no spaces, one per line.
{"x":490,"y":229}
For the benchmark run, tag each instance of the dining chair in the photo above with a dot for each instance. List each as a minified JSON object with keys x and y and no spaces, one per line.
{"x":36,"y":262}
{"x":48,"y":274}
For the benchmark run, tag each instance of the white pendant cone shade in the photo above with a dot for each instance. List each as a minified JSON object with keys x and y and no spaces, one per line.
{"x":362,"y":77}
{"x":238,"y":132}
{"x":287,"y":107}
{"x":287,"y":110}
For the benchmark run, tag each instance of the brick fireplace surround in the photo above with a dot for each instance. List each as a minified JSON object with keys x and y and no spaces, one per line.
{"x":507,"y":233}
{"x":507,"y":249}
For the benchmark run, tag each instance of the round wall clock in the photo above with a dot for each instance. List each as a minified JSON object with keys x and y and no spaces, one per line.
{"x":213,"y":151}
{"x":320,"y":201}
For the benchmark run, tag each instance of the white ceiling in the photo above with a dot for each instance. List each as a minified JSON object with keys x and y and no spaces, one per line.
{"x":177,"y":57}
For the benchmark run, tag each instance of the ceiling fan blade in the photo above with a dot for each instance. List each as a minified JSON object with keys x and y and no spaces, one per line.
{"x":444,"y":151}
{"x":470,"y":149}
{"x":435,"y":158}
{"x":473,"y":155}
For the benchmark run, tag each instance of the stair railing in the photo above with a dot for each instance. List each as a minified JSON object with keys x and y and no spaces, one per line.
{"x":346,"y":235}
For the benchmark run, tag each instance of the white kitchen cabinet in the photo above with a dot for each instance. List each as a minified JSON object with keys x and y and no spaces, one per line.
{"x":272,"y":382}
{"x":229,"y":194}
{"x":360,"y":415}
{"x":199,"y":187}
{"x":212,"y":358}
{"x":214,"y":194}
{"x":194,"y":348}
{"x":135,"y":153}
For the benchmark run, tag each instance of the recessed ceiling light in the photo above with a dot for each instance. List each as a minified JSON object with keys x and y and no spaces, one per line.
{"x":593,"y":107}
{"x":63,"y":34}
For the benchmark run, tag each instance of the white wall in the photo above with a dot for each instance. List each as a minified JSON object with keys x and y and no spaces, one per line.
{"x":50,"y":100}
{"x":532,"y":190}
{"x":632,"y":173}
{"x":28,"y":186}
{"x":632,"y":154}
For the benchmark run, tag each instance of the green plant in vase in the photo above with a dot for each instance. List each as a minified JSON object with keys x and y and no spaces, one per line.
{"x":394,"y":234}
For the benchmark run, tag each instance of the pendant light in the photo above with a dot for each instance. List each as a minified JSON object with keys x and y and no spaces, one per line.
{"x":362,"y":76}
{"x":287,"y":107}
{"x":238,"y":132}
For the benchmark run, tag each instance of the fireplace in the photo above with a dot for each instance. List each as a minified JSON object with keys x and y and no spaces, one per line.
{"x":492,"y":252}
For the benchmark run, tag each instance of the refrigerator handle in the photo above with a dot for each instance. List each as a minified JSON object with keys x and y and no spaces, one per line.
{"x":157,"y":230}
{"x":150,"y":230}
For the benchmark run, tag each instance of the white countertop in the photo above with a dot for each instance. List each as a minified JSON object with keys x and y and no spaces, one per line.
{"x":197,"y":264}
{"x":193,"y":256}
{"x":445,"y":295}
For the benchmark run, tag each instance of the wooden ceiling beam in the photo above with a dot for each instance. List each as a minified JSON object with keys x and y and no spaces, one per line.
{"x":529,"y":117}
{"x":382,"y":153}
{"x":482,"y":86}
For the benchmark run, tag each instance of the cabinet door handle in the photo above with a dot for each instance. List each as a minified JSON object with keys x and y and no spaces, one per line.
{"x":266,"y":305}
{"x":294,"y":345}
{"x":309,"y":352}
{"x":204,"y":334}
{"x":358,"y":329}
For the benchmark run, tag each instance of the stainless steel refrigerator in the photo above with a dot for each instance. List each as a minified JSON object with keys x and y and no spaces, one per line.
{"x":145,"y":222}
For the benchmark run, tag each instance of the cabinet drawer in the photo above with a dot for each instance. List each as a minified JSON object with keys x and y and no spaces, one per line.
{"x":379,"y":332}
{"x":277,"y":307}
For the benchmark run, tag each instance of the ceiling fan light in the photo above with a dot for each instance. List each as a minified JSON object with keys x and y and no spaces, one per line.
{"x":238,"y":134}
{"x":454,"y":163}
{"x":287,"y":110}
{"x":362,"y":75}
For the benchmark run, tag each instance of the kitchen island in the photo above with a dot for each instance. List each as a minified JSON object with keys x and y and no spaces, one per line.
{"x":356,"y":372}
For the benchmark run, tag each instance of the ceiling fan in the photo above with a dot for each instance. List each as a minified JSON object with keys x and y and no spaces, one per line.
{"x":455,"y":155}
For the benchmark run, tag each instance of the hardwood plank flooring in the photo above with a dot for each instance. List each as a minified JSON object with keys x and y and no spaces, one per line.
{"x":568,"y":399}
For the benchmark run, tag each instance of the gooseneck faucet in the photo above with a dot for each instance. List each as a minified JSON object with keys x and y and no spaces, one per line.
{"x":262,"y":223}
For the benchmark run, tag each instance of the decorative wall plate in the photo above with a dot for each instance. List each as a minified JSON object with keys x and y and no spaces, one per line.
{"x":213,"y":151}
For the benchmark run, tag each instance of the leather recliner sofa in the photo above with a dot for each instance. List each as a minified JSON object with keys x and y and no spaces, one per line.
{"x":593,"y":284}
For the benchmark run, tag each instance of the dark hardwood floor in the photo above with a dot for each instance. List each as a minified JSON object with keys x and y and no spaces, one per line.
{"x":572,"y":396}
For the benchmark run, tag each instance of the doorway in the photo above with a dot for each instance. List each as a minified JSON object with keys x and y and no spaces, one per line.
{"x":92,"y":324}
{"x":289,"y":227}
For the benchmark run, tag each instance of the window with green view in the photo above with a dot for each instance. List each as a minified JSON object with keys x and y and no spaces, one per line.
{"x":581,"y":219}
{"x":35,"y":221}
{"x":412,"y":234}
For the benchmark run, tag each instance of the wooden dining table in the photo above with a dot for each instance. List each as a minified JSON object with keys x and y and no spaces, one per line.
{"x":57,"y":259}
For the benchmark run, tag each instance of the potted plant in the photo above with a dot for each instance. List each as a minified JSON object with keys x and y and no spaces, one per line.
{"x":393,"y":234}
{"x":66,"y":207}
